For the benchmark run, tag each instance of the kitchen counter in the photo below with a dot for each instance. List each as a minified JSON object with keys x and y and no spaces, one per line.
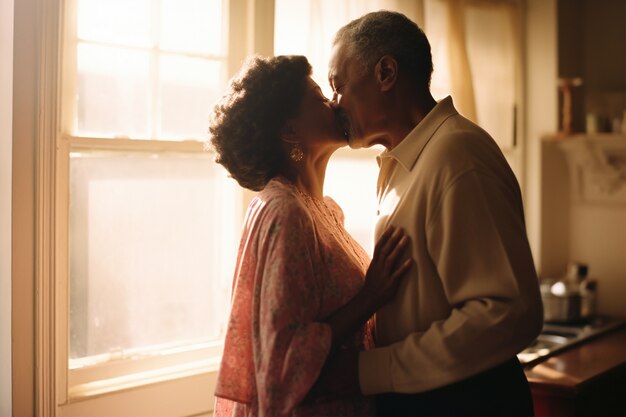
{"x":586,"y":380}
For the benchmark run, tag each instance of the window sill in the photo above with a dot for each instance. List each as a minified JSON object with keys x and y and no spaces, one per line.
{"x":103,"y":387}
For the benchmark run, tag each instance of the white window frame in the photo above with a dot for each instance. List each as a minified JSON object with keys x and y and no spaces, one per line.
{"x":105,"y":377}
{"x":142,"y":392}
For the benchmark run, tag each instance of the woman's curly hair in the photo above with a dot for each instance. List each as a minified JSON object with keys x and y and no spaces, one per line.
{"x":245,"y":124}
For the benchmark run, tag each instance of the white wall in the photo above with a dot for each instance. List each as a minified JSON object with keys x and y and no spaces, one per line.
{"x":598,"y":238}
{"x":6,"y":115}
{"x":579,"y":230}
{"x":560,"y":230}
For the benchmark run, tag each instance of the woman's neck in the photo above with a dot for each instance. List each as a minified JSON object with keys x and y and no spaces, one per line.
{"x":308,"y":175}
{"x":311,"y":183}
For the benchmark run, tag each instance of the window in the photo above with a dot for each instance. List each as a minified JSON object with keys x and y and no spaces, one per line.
{"x":148,"y":223}
{"x":146,"y":69}
{"x":155,"y":233}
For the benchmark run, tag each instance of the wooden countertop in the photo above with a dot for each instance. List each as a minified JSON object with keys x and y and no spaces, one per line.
{"x":572,"y":369}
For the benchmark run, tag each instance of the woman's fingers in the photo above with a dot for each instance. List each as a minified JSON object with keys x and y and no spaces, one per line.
{"x":404,"y":267}
{"x":396,"y":251}
{"x":382,"y":240}
{"x":387,"y":246}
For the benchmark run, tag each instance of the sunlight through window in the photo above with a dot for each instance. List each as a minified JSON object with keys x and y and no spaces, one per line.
{"x":153,"y":222}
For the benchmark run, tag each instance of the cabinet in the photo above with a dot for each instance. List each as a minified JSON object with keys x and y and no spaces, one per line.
{"x":587,"y":380}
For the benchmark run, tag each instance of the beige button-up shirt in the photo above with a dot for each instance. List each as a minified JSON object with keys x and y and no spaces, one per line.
{"x":472,"y":301}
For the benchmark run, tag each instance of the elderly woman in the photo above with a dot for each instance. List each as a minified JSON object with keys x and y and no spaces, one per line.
{"x":303,"y":287}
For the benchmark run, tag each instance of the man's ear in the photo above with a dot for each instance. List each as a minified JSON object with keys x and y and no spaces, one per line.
{"x":386,"y":71}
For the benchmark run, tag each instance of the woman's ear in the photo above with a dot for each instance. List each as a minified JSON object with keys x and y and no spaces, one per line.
{"x":288,"y":132}
{"x":386,"y":71}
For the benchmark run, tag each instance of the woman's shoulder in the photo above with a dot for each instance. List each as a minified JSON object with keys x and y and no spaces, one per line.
{"x":279,"y":198}
{"x":279,"y":191}
{"x":335,"y":208}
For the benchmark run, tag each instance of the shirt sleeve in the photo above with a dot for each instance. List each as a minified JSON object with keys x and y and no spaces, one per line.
{"x":477,"y":242}
{"x":290,"y":346}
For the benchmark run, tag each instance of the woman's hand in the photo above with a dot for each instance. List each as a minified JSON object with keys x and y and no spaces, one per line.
{"x":390,"y":262}
{"x":392,"y":259}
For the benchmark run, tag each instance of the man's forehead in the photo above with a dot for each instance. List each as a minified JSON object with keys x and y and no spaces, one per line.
{"x":332,"y":74}
{"x":338,"y":61}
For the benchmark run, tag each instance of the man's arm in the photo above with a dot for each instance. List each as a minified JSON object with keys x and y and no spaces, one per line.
{"x":477,"y":242}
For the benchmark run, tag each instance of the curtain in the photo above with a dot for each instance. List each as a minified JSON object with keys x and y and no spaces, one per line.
{"x":476,"y":53}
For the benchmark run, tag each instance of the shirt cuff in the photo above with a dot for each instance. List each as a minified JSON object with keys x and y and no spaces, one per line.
{"x":375,"y":370}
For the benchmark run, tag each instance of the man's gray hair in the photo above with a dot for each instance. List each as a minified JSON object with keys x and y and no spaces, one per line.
{"x":375,"y":34}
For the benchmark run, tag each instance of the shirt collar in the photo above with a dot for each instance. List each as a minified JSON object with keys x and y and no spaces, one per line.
{"x":407,"y":151}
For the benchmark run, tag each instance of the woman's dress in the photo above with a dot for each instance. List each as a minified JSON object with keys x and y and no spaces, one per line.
{"x":296,"y":265}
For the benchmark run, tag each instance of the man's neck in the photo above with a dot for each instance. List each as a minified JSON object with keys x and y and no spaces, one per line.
{"x":412,"y":113}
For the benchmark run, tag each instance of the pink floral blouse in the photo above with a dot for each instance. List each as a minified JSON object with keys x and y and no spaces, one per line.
{"x":296,"y":265}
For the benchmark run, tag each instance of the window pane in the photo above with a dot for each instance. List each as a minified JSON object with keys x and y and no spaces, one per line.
{"x":152,"y":245}
{"x":192,"y":26}
{"x":351,"y":182}
{"x":124,"y":22}
{"x":113,"y":92}
{"x":188,"y":88}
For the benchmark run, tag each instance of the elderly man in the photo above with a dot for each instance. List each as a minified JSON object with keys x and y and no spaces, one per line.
{"x":447,"y":343}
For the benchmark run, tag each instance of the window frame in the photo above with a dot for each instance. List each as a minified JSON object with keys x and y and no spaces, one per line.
{"x":104,"y":378}
{"x":147,"y":393}
{"x":122,"y":374}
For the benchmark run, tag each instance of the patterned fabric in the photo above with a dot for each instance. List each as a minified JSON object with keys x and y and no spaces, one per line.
{"x":296,"y":265}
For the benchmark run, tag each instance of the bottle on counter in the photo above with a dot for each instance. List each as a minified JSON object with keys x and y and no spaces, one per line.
{"x":587,"y":289}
